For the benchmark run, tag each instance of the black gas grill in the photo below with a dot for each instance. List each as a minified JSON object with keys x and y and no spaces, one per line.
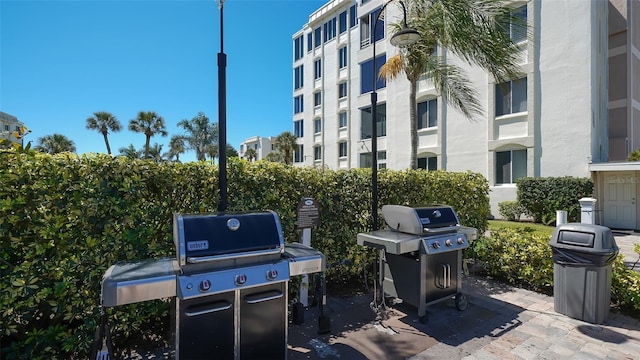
{"x":421,"y":254}
{"x":230,"y":279}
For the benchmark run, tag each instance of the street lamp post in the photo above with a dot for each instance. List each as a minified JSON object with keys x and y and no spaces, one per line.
{"x":405,"y":36}
{"x":222,"y":118}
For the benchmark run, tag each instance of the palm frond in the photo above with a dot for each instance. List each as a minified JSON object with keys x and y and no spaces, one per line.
{"x":392,"y":68}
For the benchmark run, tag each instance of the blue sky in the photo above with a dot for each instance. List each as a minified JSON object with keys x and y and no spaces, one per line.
{"x":61,"y":61}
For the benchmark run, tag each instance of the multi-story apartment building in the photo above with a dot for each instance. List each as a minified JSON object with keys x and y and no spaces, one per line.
{"x":8,"y":125}
{"x":574,"y":111}
{"x":261,"y":145}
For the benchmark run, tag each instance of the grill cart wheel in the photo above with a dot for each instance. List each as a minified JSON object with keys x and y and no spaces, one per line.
{"x":461,"y":301}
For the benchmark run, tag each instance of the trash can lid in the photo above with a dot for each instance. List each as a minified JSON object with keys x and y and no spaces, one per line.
{"x":583,"y":237}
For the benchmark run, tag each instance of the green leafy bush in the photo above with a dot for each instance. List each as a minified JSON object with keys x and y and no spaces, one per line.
{"x":541,"y":197}
{"x":65,"y":219}
{"x":511,"y":210}
{"x":523,"y":257}
{"x":520,"y":257}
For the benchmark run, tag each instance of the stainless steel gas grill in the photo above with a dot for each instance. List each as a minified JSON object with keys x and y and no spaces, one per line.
{"x":421,"y":254}
{"x":230,"y":279}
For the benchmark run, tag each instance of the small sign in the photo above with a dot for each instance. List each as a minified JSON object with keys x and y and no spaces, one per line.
{"x":197,"y":245}
{"x":308,"y":214}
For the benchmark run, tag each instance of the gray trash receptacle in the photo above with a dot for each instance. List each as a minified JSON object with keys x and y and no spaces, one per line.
{"x":583,"y":255}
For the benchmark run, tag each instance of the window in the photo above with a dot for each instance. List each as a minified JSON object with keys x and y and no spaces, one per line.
{"x":317,"y":69}
{"x":298,"y":104}
{"x":510,"y":166}
{"x":429,"y":163}
{"x":342,"y":149}
{"x":342,"y":90}
{"x":309,"y":41}
{"x":381,"y":120}
{"x":367,"y":25}
{"x":365,"y":160}
{"x":329,"y":29}
{"x":298,"y":128}
{"x":511,"y":97}
{"x":298,"y":154}
{"x":353,"y":16}
{"x":342,"y":23}
{"x":298,"y":48}
{"x":317,"y":153}
{"x":342,"y":56}
{"x":342,"y":119}
{"x":317,"y":99}
{"x":299,"y":77}
{"x":317,"y":126}
{"x":428,"y":114}
{"x":317,"y":36}
{"x":517,"y":24}
{"x":367,"y":74}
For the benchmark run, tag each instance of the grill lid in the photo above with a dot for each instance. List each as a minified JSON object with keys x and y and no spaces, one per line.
{"x":430,"y":219}
{"x":208,"y":237}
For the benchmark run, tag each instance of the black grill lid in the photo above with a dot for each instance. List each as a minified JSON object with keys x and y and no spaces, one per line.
{"x":226,"y":234}
{"x":420,"y":220}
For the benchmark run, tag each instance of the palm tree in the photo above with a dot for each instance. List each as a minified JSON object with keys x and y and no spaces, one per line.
{"x":251,"y":154}
{"x":231,"y":151}
{"x":201,"y":134}
{"x":149,"y":123}
{"x":131,"y":152}
{"x":177,"y":146}
{"x":286,"y":144}
{"x":155,"y":153}
{"x":103,"y":122}
{"x":54,"y":144}
{"x":473,"y":31}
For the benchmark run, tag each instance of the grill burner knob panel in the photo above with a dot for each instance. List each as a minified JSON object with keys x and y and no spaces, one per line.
{"x":448,"y":242}
{"x":460,"y":240}
{"x":435,"y":245}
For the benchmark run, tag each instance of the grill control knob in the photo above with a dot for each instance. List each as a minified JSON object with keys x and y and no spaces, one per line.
{"x":272,"y":274}
{"x":435,"y":245}
{"x":448,"y":242}
{"x":240,"y":279}
{"x":204,"y":286}
{"x":461,"y":240}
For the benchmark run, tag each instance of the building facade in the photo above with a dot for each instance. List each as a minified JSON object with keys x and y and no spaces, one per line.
{"x":8,"y":125}
{"x":260,"y":146}
{"x":574,"y":106}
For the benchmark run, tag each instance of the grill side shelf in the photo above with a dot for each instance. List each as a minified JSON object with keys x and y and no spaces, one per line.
{"x":132,"y":282}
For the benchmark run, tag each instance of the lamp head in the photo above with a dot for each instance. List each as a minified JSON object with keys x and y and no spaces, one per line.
{"x":405,"y":37}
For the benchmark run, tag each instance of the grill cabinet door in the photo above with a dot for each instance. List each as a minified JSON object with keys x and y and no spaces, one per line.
{"x":263,"y":319}
{"x":206,"y":329}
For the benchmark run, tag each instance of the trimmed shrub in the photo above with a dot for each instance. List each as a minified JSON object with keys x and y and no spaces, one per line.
{"x":520,"y":257}
{"x":511,"y":210}
{"x":541,"y":197}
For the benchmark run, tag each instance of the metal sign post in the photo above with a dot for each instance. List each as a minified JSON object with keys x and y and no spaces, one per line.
{"x":308,"y":216}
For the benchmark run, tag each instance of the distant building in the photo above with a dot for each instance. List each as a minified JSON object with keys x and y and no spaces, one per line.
{"x":574,"y":112}
{"x":9,"y":124}
{"x":261,"y":145}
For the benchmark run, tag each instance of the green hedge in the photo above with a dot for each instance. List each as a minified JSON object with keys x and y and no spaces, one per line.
{"x":541,"y":197}
{"x":523,"y":258}
{"x":65,"y":219}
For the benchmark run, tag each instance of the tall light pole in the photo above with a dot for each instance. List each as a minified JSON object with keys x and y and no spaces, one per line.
{"x":405,"y":36}
{"x":222,"y":118}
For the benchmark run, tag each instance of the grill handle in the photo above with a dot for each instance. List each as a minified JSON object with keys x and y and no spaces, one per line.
{"x":205,"y":309}
{"x":445,"y":281}
{"x":263,"y":296}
